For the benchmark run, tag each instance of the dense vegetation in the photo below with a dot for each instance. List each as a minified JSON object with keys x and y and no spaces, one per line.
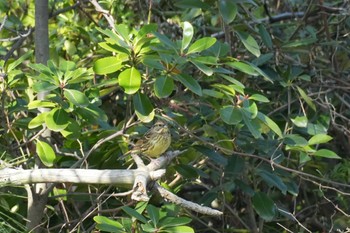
{"x":255,"y":93}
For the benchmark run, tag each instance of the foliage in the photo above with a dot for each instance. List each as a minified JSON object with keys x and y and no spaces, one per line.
{"x":256,"y":104}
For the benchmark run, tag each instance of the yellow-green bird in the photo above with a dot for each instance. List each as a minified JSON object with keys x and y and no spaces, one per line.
{"x":155,"y":142}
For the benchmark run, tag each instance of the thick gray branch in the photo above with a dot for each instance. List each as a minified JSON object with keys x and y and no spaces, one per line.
{"x":82,"y":176}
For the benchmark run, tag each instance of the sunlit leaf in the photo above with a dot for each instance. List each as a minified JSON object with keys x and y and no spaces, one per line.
{"x":249,"y":43}
{"x":187,"y":35}
{"x":325,"y":153}
{"x":107,"y":65}
{"x":76,"y":97}
{"x":45,"y":153}
{"x":130,"y":80}
{"x":201,"y":44}
{"x":319,"y":138}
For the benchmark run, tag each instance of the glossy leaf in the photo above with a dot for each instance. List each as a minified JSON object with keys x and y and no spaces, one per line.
{"x":143,"y":107}
{"x":201,"y":44}
{"x":249,"y":43}
{"x":40,"y":104}
{"x":107,"y":65}
{"x":187,"y":35}
{"x":108,"y":225}
{"x":319,"y":139}
{"x":190,"y":83}
{"x":270,"y":123}
{"x":231,"y":115}
{"x":205,"y":69}
{"x":177,"y":229}
{"x":295,"y":140}
{"x":300,"y":121}
{"x":46,"y":153}
{"x":264,"y":206}
{"x":38,"y":120}
{"x":228,"y":10}
{"x":130,"y":80}
{"x":325,"y":153}
{"x":76,"y":97}
{"x":259,"y":98}
{"x":163,"y":86}
{"x":57,"y":120}
{"x":243,"y":67}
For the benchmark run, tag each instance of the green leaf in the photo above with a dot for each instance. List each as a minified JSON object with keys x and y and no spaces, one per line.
{"x":205,"y":69}
{"x":252,"y":125}
{"x":163,"y":86}
{"x":264,"y":206}
{"x":165,"y":40}
{"x":76,"y":97}
{"x":265,"y":36}
{"x":178,"y":229}
{"x":295,"y":140}
{"x":228,"y":10}
{"x":201,"y":44}
{"x":243,"y":67}
{"x":326,"y":154}
{"x":130,"y":80}
{"x":107,"y":65}
{"x":45,"y":153}
{"x":133,"y":213}
{"x":249,"y":43}
{"x":230,"y":115}
{"x":38,"y":120}
{"x":297,"y":43}
{"x":43,"y":86}
{"x":187,"y":35}
{"x":259,"y":98}
{"x":143,"y":107}
{"x":273,"y":180}
{"x":270,"y":123}
{"x":108,"y":225}
{"x":153,"y":214}
{"x":40,"y":104}
{"x":57,"y":120}
{"x":212,"y":154}
{"x":186,"y":171}
{"x":114,"y":48}
{"x":174,"y":221}
{"x":306,"y":98}
{"x":300,"y":121}
{"x":319,"y":138}
{"x":18,"y":61}
{"x":190,"y":83}
{"x":123,"y":31}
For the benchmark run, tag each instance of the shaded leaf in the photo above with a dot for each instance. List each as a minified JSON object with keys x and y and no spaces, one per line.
{"x":190,"y":83}
{"x":264,"y":206}
{"x":230,"y":115}
{"x":228,"y":10}
{"x":163,"y":86}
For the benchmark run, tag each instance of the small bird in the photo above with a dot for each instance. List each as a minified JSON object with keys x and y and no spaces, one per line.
{"x":155,"y":141}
